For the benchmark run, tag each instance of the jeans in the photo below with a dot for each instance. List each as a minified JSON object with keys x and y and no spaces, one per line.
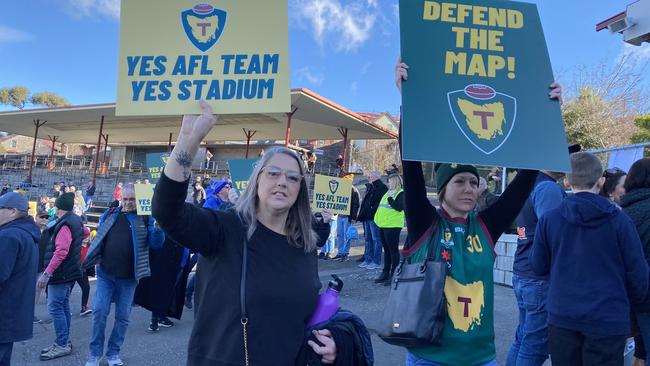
{"x":573,"y":348}
{"x":373,"y":242}
{"x":120,"y":290}
{"x":329,"y":245}
{"x":89,"y":203}
{"x":5,"y":353}
{"x":530,"y":346}
{"x":413,"y":360}
{"x":58,"y":305}
{"x":342,"y":227}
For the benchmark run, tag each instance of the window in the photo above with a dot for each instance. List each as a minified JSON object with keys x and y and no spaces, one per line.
{"x":13,"y":144}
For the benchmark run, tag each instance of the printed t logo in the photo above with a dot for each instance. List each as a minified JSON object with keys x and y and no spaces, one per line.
{"x":484,"y":116}
{"x":464,"y":304}
{"x":203,"y":25}
{"x":334,"y":186}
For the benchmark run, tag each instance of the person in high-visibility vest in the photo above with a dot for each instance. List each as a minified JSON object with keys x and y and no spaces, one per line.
{"x":390,"y":220}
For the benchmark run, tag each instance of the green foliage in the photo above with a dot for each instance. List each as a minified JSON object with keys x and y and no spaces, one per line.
{"x":19,"y":96}
{"x":48,"y":99}
{"x":16,"y":96}
{"x":643,"y":123}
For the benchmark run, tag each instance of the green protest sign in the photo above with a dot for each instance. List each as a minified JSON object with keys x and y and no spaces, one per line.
{"x":240,"y":171}
{"x":155,"y":164}
{"x":477,"y":91}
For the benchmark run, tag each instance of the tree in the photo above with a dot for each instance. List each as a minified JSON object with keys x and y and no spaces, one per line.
{"x":643,"y":123}
{"x":602,"y":102}
{"x":48,"y":99}
{"x":19,"y":96}
{"x":16,"y":96}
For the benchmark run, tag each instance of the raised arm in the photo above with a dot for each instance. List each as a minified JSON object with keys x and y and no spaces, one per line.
{"x":499,"y":216}
{"x":193,"y":227}
{"x":419,"y":212}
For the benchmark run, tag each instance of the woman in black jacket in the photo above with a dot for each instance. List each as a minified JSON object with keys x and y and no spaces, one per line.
{"x":253,"y":314}
{"x":636,"y":204}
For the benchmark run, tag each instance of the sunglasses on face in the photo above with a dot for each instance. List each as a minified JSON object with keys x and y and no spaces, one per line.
{"x":128,"y":199}
{"x":274,"y":173}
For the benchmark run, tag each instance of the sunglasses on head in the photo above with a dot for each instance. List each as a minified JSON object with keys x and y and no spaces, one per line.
{"x":614,"y":171}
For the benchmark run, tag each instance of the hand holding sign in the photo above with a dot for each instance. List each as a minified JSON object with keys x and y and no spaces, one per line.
{"x":196,"y":128}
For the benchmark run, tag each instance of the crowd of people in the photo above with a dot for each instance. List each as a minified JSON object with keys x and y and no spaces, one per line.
{"x":580,"y":272}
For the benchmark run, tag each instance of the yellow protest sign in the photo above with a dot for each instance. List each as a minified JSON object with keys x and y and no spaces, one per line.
{"x":332,"y":194}
{"x":143,"y":196}
{"x":32,"y":209}
{"x":234,"y":54}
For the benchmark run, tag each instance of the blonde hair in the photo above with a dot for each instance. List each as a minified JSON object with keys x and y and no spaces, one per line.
{"x":299,"y":221}
{"x":397,"y":180}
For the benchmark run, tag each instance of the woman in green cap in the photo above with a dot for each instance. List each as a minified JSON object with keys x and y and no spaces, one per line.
{"x":467,"y":242}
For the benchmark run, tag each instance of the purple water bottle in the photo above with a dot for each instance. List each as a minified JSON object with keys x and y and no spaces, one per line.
{"x":328,"y":303}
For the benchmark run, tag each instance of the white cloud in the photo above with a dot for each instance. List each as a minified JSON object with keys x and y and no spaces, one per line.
{"x":365,"y":68}
{"x":349,"y":25}
{"x":306,"y":74}
{"x":90,"y":8}
{"x":354,"y":87}
{"x":12,"y":35}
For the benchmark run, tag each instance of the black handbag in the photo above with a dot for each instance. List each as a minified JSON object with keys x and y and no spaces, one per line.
{"x":416,"y":310}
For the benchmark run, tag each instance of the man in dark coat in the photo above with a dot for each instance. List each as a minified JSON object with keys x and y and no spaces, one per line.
{"x":375,"y":190}
{"x":19,"y":237}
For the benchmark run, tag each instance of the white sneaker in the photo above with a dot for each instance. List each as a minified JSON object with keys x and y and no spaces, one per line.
{"x":92,"y":361}
{"x":372,"y":266}
{"x":115,"y":361}
{"x":364,"y":265}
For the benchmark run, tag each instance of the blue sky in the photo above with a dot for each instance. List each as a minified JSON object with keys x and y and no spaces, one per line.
{"x":344,"y":50}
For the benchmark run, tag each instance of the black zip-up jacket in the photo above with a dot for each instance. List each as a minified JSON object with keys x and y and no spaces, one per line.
{"x":370,"y":203}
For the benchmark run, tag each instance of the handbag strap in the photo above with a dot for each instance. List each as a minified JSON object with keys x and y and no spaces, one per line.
{"x":242,"y":297}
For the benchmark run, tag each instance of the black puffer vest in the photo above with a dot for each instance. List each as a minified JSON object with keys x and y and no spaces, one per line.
{"x":70,"y":269}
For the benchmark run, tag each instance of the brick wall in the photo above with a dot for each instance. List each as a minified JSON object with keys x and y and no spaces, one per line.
{"x":505,"y":250}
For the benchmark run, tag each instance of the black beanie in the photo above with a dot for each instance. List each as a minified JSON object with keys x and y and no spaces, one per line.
{"x":444,"y":172}
{"x":65,"y":202}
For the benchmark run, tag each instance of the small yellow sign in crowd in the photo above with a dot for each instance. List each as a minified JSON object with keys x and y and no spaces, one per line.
{"x":333,"y":194}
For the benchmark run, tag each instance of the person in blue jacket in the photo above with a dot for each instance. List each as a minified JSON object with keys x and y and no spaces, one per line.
{"x":593,"y":256}
{"x":121,"y":248}
{"x":19,"y":237}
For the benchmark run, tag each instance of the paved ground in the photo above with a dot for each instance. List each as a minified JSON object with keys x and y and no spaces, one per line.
{"x":169,"y":346}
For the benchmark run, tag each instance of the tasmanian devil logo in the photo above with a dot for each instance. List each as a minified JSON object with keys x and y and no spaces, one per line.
{"x":334,"y":186}
{"x":484,"y":116}
{"x":203,"y":25}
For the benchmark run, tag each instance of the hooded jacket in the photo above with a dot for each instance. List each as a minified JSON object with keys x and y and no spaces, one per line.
{"x":592,"y":253}
{"x":636,"y":204}
{"x":374,"y":193}
{"x":19,"y":247}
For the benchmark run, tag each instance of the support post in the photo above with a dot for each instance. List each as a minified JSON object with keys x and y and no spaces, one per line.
{"x":169,"y":146}
{"x":37,"y":124}
{"x":249,"y":134}
{"x":99,"y":143}
{"x":288,"y":132}
{"x":344,"y":150}
{"x":104,"y":158}
{"x":50,"y":163}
